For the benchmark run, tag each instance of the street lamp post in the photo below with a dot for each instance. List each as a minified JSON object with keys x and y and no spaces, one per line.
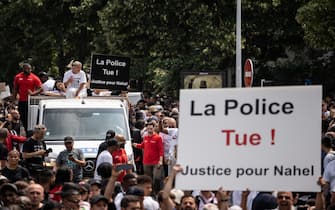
{"x":238,"y":73}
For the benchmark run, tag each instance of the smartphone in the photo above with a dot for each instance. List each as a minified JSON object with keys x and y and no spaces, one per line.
{"x":124,"y":167}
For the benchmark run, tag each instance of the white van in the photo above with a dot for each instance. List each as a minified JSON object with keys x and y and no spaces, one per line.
{"x":86,"y":120}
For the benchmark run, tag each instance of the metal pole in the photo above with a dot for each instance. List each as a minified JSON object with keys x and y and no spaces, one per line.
{"x":238,"y":76}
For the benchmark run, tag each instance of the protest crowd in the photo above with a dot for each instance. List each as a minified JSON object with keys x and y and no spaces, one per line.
{"x":26,"y":182}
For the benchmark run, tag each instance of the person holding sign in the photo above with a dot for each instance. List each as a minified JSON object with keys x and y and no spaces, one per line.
{"x":75,"y":81}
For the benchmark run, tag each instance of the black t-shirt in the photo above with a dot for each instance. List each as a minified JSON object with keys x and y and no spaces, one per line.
{"x":20,"y":173}
{"x":32,"y":146}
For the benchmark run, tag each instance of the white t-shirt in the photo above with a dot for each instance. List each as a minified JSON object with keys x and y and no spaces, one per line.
{"x":48,"y":85}
{"x":170,"y":140}
{"x":173,"y":132}
{"x":104,"y":157}
{"x":167,"y":143}
{"x":329,"y":157}
{"x":71,"y":89}
{"x":150,"y":204}
{"x":117,"y":200}
{"x":78,"y":78}
{"x":329,"y":175}
{"x":237,"y":197}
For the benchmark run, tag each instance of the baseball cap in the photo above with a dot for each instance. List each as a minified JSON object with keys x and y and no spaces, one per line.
{"x":68,"y":139}
{"x":235,"y":207}
{"x":264,"y":201}
{"x":112,"y":142}
{"x":95,"y":182}
{"x":3,"y":178}
{"x":178,"y":194}
{"x":42,"y":73}
{"x":210,"y":206}
{"x":110,"y":134}
{"x":97,"y":198}
{"x":135,"y":191}
{"x":69,"y":188}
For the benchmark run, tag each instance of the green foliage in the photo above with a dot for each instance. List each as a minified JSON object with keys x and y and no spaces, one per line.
{"x":317,"y":18}
{"x":170,"y":35}
{"x":165,"y":37}
{"x":47,"y":33}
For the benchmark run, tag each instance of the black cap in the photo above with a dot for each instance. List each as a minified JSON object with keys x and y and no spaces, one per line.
{"x":135,"y":191}
{"x":69,"y":188}
{"x":9,"y":187}
{"x":97,"y":198}
{"x":42,"y":73}
{"x":264,"y":201}
{"x":95,"y":182}
{"x":68,"y":139}
{"x":110,"y":134}
{"x":112,"y":142}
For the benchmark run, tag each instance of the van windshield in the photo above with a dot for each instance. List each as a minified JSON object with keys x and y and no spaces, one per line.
{"x":83,"y":124}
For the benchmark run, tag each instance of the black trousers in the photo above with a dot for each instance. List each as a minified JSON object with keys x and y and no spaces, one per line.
{"x":23,"y":110}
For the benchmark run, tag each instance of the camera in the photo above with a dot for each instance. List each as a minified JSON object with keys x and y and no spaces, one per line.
{"x":48,"y":151}
{"x":70,"y":154}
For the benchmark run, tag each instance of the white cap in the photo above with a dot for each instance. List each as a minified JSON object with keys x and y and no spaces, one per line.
{"x":2,"y":177}
{"x":178,"y":194}
{"x":235,"y":208}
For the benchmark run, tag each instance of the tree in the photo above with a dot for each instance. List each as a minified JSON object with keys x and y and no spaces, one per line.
{"x":46,"y":33}
{"x":166,"y":37}
{"x":317,"y":18}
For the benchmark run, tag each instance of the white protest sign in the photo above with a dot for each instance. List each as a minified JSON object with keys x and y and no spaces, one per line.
{"x":263,"y":139}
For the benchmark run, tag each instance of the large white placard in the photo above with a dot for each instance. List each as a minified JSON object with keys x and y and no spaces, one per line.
{"x":263,"y":139}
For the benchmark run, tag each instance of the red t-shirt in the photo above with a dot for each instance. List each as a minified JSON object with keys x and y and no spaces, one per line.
{"x":120,"y":157}
{"x":23,"y":83}
{"x":152,"y":149}
{"x":53,"y":195}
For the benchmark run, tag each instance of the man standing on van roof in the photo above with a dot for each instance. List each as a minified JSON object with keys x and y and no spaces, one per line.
{"x":25,"y":83}
{"x":75,"y":81}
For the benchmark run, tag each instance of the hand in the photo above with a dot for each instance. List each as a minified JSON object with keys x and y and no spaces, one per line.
{"x":134,"y":144}
{"x":41,"y":152}
{"x":70,"y":80}
{"x":30,"y":92}
{"x":71,"y":158}
{"x":321,"y":181}
{"x":115,"y":173}
{"x":246,"y":193}
{"x":176,"y":169}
